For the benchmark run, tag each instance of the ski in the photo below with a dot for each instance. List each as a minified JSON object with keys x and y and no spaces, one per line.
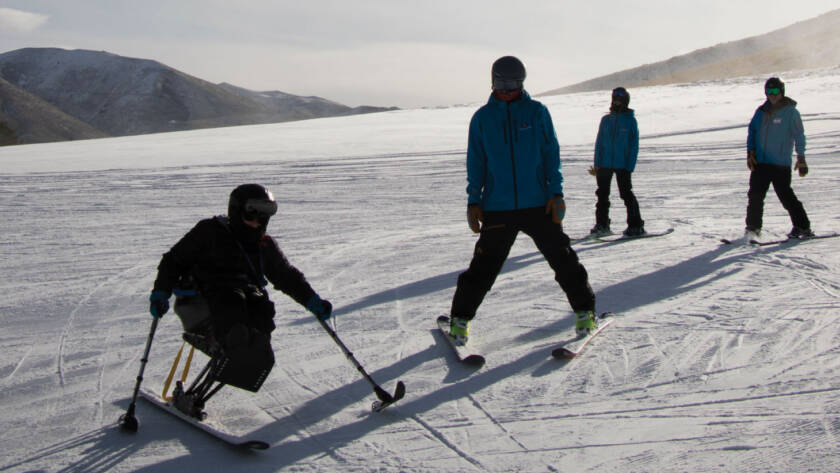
{"x":634,"y":237}
{"x":782,"y":240}
{"x":465,"y":352}
{"x":575,"y":347}
{"x":590,"y":237}
{"x":207,"y":426}
{"x":793,"y":239}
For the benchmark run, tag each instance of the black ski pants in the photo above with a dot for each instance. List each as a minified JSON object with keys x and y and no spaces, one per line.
{"x":625,"y":190}
{"x":760,"y":179}
{"x":498,"y":233}
{"x":237,"y":307}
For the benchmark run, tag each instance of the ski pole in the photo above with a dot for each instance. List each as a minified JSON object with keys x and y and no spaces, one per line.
{"x":128,"y":421}
{"x":385,"y":398}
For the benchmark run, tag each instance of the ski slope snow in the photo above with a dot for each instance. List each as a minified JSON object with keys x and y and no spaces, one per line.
{"x":722,"y":357}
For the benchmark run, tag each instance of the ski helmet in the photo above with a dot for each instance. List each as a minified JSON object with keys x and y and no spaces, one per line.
{"x":775,"y":83}
{"x":507,"y":73}
{"x":252,"y":202}
{"x":622,"y":95}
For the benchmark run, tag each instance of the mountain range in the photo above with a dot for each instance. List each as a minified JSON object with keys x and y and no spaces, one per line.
{"x":51,"y":94}
{"x":807,"y":44}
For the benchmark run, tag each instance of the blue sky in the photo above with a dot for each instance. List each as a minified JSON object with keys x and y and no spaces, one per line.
{"x":390,"y":52}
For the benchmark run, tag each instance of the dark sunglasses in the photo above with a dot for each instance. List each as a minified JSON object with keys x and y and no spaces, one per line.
{"x":772,"y":91}
{"x":257,"y":209}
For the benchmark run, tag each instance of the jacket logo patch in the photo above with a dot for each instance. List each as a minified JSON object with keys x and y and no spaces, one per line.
{"x":777,"y":121}
{"x":524,"y":126}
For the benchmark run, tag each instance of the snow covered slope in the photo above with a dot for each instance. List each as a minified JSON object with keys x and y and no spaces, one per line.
{"x":722,"y":358}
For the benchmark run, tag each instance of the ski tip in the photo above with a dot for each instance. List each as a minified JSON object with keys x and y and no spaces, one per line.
{"x":563,"y":353}
{"x":474,"y":361}
{"x":443,"y":318}
{"x":254,"y":445}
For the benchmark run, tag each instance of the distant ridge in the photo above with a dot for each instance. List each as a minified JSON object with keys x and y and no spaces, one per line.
{"x":808,"y":44}
{"x":121,"y":96}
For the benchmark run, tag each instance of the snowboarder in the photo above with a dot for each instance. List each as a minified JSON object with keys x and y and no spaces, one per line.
{"x":219,"y":272}
{"x":616,"y":151}
{"x":774,"y":131}
{"x":514,"y":184}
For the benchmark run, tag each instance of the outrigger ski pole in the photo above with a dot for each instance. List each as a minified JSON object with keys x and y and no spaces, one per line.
{"x":385,"y":398}
{"x":127,"y":421}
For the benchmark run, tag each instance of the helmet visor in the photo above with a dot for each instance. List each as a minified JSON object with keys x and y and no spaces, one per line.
{"x":500,"y":83}
{"x":259,"y":209}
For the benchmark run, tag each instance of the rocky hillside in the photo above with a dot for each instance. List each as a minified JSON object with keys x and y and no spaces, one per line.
{"x":126,"y":96}
{"x":808,"y":44}
{"x":25,"y":118}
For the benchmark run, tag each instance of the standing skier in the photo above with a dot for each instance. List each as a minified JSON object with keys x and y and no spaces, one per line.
{"x":219,"y":270}
{"x":514,"y":184}
{"x":775,"y":129}
{"x":616,"y":151}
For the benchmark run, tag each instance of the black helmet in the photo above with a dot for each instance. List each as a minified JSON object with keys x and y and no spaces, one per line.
{"x":507,"y":73}
{"x":622,"y":95}
{"x":775,"y":83}
{"x":253,"y":202}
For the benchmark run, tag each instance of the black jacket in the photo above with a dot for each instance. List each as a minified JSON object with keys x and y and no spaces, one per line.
{"x":217,"y":260}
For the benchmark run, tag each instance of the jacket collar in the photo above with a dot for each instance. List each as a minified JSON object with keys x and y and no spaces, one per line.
{"x":523,"y":98}
{"x":785,"y":102}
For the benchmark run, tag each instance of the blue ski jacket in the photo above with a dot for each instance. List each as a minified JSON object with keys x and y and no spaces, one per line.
{"x":617,"y":145}
{"x":774,"y":132}
{"x":513,"y":158}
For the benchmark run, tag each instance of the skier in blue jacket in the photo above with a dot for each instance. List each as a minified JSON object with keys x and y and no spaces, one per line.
{"x":774,"y":131}
{"x":514,"y":184}
{"x":616,"y":151}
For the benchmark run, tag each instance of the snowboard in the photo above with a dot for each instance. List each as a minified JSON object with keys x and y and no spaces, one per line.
{"x":465,"y":352}
{"x":575,"y":347}
{"x":208,"y":426}
{"x":607,"y":239}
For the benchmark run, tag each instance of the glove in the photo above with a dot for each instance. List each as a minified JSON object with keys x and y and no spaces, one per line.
{"x":322,"y":309}
{"x":801,"y":166}
{"x":474,"y":217}
{"x":593,"y":170}
{"x":556,"y":206}
{"x":158,"y":303}
{"x":751,"y":161}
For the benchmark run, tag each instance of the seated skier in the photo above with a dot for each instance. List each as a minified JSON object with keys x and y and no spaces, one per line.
{"x":219,"y":272}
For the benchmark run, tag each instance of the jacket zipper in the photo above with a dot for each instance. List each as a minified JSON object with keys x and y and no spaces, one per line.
{"x":512,"y":159}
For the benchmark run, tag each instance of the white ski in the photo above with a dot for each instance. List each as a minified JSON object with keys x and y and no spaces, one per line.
{"x":575,"y":347}
{"x":212,"y":428}
{"x":465,"y":352}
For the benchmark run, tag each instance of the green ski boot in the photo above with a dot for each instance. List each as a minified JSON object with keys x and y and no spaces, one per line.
{"x":585,"y":322}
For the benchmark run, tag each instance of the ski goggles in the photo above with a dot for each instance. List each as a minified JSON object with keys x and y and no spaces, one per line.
{"x":619,"y":93}
{"x":506,"y":85}
{"x":772,"y":91}
{"x":259,"y":208}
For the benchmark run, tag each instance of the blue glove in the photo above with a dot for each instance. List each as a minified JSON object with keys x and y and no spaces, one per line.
{"x":158,"y":303}
{"x":319,"y":307}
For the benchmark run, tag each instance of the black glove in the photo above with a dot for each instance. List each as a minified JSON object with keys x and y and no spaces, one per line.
{"x":321,"y":308}
{"x":158,"y":303}
{"x":801,"y":166}
{"x":751,"y":161}
{"x":474,"y":217}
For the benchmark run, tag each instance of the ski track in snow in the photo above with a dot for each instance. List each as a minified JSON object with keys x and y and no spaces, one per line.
{"x":721,"y":357}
